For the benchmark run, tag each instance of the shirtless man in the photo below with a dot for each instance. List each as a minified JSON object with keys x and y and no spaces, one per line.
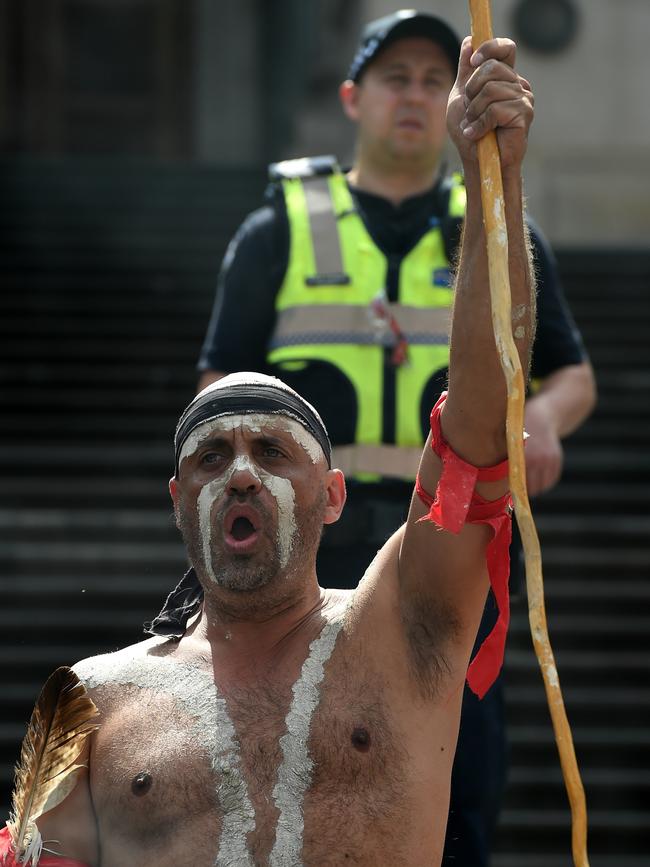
{"x":288,"y":724}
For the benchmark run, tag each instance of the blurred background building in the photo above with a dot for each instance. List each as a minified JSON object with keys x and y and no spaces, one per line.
{"x":242,"y":83}
{"x":134,"y":136}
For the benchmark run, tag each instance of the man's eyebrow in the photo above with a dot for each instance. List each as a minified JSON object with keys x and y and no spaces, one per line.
{"x":402,"y":65}
{"x":212,"y":439}
{"x":261,"y":434}
{"x":270,"y":435}
{"x":395,"y":65}
{"x":276,"y":437}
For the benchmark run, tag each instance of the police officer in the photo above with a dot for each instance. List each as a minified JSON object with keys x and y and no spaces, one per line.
{"x":340,"y":285}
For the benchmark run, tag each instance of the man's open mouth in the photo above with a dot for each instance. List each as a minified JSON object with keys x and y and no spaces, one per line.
{"x":241,"y":525}
{"x":241,"y":529}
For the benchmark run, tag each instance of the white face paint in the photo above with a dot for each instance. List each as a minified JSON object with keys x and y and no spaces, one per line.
{"x":281,"y":489}
{"x":253,"y":422}
{"x":283,"y":493}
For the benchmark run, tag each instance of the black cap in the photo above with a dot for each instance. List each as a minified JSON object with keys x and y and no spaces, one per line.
{"x":400,"y":25}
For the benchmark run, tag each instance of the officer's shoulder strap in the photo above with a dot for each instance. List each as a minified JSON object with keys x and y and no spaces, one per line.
{"x":314,"y":174}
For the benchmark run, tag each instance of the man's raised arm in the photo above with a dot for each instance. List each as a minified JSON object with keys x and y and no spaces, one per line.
{"x":488,"y":95}
{"x":443,"y":575}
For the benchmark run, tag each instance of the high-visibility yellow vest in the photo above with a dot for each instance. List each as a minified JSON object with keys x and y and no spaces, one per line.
{"x":332,"y":307}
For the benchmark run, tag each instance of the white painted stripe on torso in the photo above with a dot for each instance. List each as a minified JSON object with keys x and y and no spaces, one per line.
{"x":197,"y":693}
{"x":295,"y":772}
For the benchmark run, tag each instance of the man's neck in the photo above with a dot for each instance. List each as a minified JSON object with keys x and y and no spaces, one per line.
{"x":249,"y":633}
{"x":394,"y":183}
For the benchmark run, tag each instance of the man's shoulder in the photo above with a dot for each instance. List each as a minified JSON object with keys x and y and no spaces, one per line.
{"x":127,"y":665}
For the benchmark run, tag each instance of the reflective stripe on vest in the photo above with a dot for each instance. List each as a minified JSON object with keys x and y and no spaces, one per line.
{"x":335,"y":323}
{"x":343,"y":323}
{"x":324,"y":234}
{"x":399,"y":462}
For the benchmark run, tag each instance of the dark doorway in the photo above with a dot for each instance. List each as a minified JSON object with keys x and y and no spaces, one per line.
{"x":96,"y":76}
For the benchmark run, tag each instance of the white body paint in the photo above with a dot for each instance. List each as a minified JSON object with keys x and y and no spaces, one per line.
{"x":518,"y":313}
{"x":280,"y":488}
{"x":195,"y":691}
{"x":295,"y":772}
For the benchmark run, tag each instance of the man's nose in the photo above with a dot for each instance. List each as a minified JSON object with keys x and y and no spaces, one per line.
{"x":244,"y":479}
{"x":416,"y":91}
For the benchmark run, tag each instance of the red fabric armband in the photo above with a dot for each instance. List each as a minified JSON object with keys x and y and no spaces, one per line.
{"x":455,"y":504}
{"x":8,"y":857}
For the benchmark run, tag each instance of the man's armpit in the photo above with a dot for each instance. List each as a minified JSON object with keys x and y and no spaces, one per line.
{"x":430,"y":627}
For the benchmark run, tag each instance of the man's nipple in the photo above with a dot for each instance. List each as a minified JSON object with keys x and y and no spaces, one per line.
{"x":141,"y":783}
{"x":360,"y":738}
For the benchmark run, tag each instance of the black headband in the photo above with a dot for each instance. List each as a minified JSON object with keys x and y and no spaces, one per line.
{"x":247,"y":398}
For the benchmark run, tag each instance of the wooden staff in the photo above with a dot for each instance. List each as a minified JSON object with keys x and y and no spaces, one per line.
{"x":497,"y":250}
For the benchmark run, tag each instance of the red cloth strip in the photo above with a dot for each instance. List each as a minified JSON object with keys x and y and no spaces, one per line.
{"x":497,"y":514}
{"x":493,"y":474}
{"x":455,"y":504}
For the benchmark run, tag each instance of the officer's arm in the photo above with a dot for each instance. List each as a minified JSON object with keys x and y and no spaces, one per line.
{"x":564,"y":388}
{"x":563,"y":401}
{"x":243,"y":314}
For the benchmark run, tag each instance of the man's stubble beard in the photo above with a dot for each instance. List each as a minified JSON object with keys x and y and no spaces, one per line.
{"x":248,"y":572}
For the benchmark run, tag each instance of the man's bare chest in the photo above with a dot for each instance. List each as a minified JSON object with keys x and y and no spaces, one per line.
{"x":254,"y":768}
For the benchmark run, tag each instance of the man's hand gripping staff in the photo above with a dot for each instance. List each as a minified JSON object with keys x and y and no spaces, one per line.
{"x":497,"y":152}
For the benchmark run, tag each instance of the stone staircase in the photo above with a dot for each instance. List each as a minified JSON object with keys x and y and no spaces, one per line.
{"x":107,"y":271}
{"x":595,"y":534}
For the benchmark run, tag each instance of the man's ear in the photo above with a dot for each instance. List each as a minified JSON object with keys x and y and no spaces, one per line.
{"x":173,"y":490}
{"x":336,"y":496}
{"x":349,"y":96}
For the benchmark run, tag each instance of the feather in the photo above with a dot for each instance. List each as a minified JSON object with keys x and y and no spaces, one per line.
{"x":45,"y":774}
